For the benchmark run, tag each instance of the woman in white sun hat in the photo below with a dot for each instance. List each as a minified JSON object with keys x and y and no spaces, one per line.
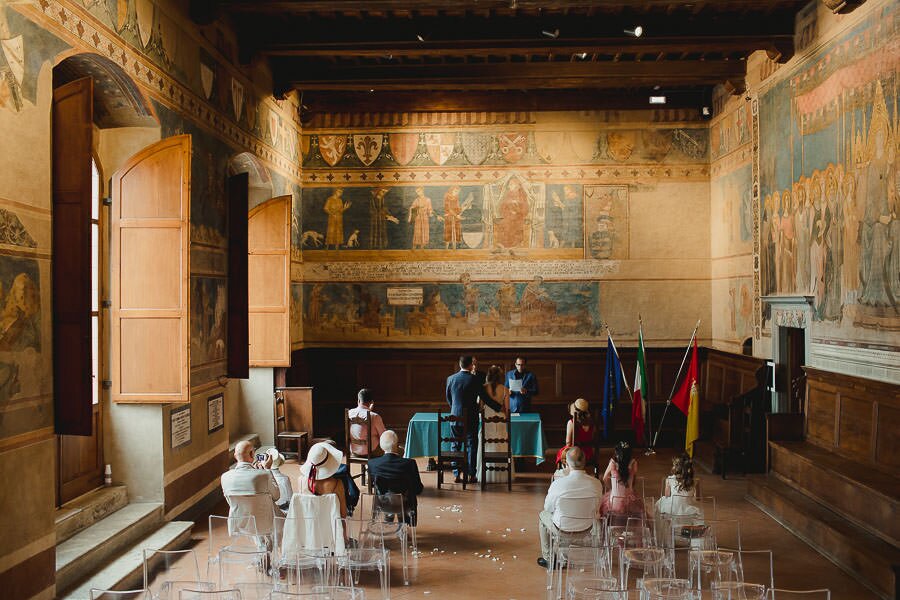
{"x":317,"y":473}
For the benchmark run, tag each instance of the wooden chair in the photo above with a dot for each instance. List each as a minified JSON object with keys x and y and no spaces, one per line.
{"x":489,"y":460}
{"x":284,"y":436}
{"x":350,"y":457}
{"x":446,"y":458}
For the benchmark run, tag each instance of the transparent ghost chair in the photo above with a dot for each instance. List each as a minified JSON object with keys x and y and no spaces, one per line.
{"x":755,"y":565}
{"x":588,"y":562}
{"x":168,"y":571}
{"x":595,"y":588}
{"x":818,"y":594}
{"x":227,"y":533}
{"x":738,"y":590}
{"x":98,"y":594}
{"x":391,"y":520}
{"x":188,"y":594}
{"x":649,"y":562}
{"x":243,"y":567}
{"x":255,"y":591}
{"x":363,"y":551}
{"x":341,"y":592}
{"x":560,"y":540}
{"x":666,"y":589}
{"x":716,"y":557}
{"x":302,"y":555}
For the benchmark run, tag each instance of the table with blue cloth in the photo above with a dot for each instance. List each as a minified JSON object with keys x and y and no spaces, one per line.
{"x":526,"y":436}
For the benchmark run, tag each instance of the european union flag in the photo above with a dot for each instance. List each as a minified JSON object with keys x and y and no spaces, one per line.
{"x":612,"y":385}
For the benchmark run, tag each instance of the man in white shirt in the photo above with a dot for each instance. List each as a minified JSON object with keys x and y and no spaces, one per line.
{"x":576,"y":485}
{"x":363,"y":410}
{"x":247,"y":478}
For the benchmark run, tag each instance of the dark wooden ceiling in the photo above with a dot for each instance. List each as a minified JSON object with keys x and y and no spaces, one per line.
{"x":519,"y":54}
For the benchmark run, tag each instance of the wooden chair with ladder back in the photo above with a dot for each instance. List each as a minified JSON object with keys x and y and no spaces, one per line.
{"x":451,"y":458}
{"x":496,"y":460}
{"x":350,"y":457}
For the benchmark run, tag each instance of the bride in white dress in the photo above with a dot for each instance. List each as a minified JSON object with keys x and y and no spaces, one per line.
{"x":499,"y":393}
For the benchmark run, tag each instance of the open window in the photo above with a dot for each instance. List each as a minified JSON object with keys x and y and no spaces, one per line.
{"x":269,"y":245}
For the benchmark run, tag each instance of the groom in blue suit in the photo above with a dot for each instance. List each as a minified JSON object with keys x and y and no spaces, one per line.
{"x":520,"y":402}
{"x":463,"y":389}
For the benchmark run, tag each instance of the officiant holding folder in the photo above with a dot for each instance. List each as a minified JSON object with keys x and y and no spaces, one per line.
{"x":522,"y":386}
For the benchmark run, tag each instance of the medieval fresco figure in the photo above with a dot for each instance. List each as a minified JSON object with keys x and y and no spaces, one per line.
{"x":18,"y":321}
{"x":512,"y":221}
{"x":535,"y":298}
{"x":471,"y":295}
{"x":818,"y":252}
{"x":335,"y":207}
{"x":787,"y":244}
{"x":506,"y":299}
{"x":852,"y":219}
{"x":803,"y":233}
{"x":378,"y":219}
{"x":768,"y":237}
{"x":877,"y":278}
{"x":314,"y":304}
{"x":453,"y":216}
{"x":371,"y":313}
{"x":834,"y":242}
{"x":420,"y":213}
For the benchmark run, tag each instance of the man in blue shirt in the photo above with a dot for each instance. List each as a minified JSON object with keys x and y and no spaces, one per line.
{"x":520,"y":402}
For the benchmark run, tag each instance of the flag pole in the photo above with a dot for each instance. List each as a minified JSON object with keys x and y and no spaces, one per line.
{"x":649,"y":451}
{"x":675,"y":383}
{"x":621,"y":368}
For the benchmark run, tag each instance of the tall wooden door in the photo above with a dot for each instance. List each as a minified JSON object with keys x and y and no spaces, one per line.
{"x":269,"y":263}
{"x":77,"y":409}
{"x":150,"y":275}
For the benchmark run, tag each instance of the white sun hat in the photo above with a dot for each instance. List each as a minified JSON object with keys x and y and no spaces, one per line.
{"x":324,"y":458}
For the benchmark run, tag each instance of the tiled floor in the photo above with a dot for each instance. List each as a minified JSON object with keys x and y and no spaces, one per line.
{"x":477,"y":544}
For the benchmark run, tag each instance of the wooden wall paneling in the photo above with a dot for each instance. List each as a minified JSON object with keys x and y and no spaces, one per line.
{"x":855,"y":426}
{"x":149,"y":256}
{"x":71,"y":231}
{"x":821,"y":413}
{"x":887,"y":442}
{"x":238,"y":295}
{"x":269,"y":279}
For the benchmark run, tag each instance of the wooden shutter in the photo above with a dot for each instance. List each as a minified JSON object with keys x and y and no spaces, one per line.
{"x":150,"y":353}
{"x":72,"y":132}
{"x":238,"y":324}
{"x":269,"y":241}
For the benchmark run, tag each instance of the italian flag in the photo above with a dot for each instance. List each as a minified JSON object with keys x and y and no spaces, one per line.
{"x":639,"y":401}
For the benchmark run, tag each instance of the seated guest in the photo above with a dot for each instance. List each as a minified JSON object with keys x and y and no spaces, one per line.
{"x":351,"y":490}
{"x":393,"y":473}
{"x":363,"y":410}
{"x":283,"y":481}
{"x":318,"y":475}
{"x":681,"y":488}
{"x":621,"y":473}
{"x":577,"y":484}
{"x":247,"y":477}
{"x":580,"y":429}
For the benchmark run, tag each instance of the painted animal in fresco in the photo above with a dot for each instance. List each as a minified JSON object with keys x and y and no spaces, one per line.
{"x":554,"y":241}
{"x":312,"y":238}
{"x":353,"y":240}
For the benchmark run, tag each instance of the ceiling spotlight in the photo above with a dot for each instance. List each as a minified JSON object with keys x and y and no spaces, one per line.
{"x":371,"y":90}
{"x":550,"y":34}
{"x":420,"y":37}
{"x":514,"y":4}
{"x":583,"y":55}
{"x":638,"y":31}
{"x":705,"y":111}
{"x":657,"y":99}
{"x":655,"y":88}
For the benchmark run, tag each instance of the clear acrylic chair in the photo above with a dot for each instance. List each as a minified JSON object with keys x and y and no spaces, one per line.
{"x":98,"y":594}
{"x":255,"y":591}
{"x":364,"y":551}
{"x":560,"y":541}
{"x":389,"y":519}
{"x":587,"y":562}
{"x":666,"y":589}
{"x":261,"y":506}
{"x":738,"y":590}
{"x":340,"y":592}
{"x":595,"y":588}
{"x":725,"y":533}
{"x":818,"y":594}
{"x":168,"y":571}
{"x":650,"y":562}
{"x":755,"y":565}
{"x":198,"y":594}
{"x":226,"y":533}
{"x":302,"y":556}
{"x":243,"y":567}
{"x":709,"y":567}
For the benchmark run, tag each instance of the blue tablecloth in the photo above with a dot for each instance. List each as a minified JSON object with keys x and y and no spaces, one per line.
{"x":526,"y":431}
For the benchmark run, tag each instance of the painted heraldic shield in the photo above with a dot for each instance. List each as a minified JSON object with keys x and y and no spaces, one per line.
{"x":332,"y":147}
{"x":403,"y":147}
{"x":477,"y":147}
{"x":367,"y":147}
{"x":440,"y":146}
{"x":512,"y":146}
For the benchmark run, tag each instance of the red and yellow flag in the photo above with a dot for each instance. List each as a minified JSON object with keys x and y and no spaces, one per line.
{"x":687,"y":399}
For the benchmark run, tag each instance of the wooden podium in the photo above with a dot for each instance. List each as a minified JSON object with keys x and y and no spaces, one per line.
{"x":293,"y":419}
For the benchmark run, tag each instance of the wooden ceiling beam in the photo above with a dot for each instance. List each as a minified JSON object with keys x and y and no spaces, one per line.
{"x":648,"y":45}
{"x":483,"y":76}
{"x":508,"y":100}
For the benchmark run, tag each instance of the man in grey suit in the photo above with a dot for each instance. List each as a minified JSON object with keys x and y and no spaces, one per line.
{"x":246,"y":479}
{"x":463,"y":390}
